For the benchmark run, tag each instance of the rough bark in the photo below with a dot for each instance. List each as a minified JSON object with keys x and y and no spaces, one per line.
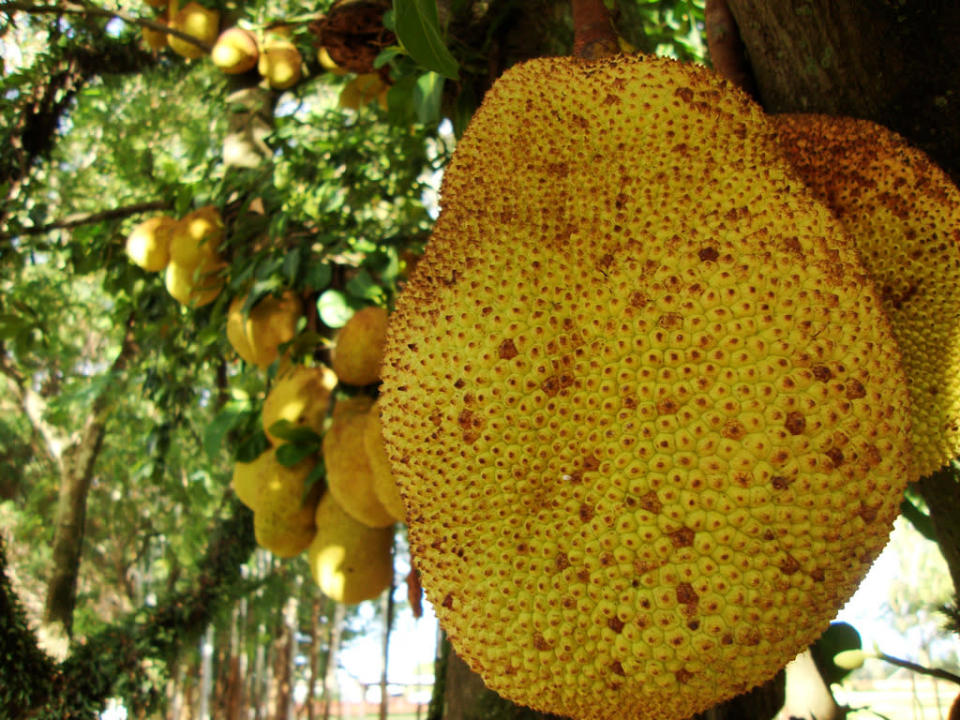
{"x":77,"y":467}
{"x":891,"y":62}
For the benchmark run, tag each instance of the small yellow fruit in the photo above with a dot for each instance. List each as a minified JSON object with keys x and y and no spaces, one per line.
{"x":349,"y":561}
{"x":196,"y":21}
{"x":148,"y":245}
{"x":249,"y":477}
{"x":359,"y":348}
{"x":384,"y":484}
{"x":197,"y":237}
{"x":154,"y":39}
{"x":280,"y":63}
{"x":283,"y":519}
{"x":237,"y":330}
{"x":301,"y":397}
{"x":349,"y":475}
{"x":235,"y":51}
{"x":194,"y":285}
{"x":362,"y":90}
{"x":327,"y":63}
{"x":272,"y":322}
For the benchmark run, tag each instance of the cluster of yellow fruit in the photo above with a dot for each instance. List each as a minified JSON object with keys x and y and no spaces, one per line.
{"x":186,"y":250}
{"x":235,"y":50}
{"x":347,"y":531}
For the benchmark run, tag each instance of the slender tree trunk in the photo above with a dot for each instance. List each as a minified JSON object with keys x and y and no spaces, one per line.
{"x":206,"y":674}
{"x":314,"y":655}
{"x":387,"y":609}
{"x":330,"y":676}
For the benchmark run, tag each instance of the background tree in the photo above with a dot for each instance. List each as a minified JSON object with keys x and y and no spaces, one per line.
{"x":124,"y":412}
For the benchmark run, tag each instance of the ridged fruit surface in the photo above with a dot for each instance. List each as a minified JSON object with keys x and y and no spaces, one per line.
{"x":283,"y":515}
{"x":349,"y":561}
{"x":644,"y":407}
{"x":903,"y":213}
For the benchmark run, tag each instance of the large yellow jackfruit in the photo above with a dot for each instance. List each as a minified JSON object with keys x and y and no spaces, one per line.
{"x":646,"y":412}
{"x":198,"y":22}
{"x":349,"y":475}
{"x":358,"y":351}
{"x":903,"y":213}
{"x":249,"y":477}
{"x":302,"y":397}
{"x":349,"y":561}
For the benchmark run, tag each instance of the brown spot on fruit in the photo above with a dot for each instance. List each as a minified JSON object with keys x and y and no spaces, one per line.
{"x":682,"y":537}
{"x":562,"y":562}
{"x":822,"y":373}
{"x":586,"y":512}
{"x":733,"y":430}
{"x":795,"y":423}
{"x":708,"y":254}
{"x":686,"y":595}
{"x":651,"y":502}
{"x":507,"y":350}
{"x":615,"y":624}
{"x":683,"y":676}
{"x":855,"y":390}
{"x":540,"y":643}
{"x":617,"y":668}
{"x":780,"y":482}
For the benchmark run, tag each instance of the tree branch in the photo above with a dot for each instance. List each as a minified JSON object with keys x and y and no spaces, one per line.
{"x":33,"y":407}
{"x":933,"y":672}
{"x":70,"y":8}
{"x":593,"y":33}
{"x":72,"y":221}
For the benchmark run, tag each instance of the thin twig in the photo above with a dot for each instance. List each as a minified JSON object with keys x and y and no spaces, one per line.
{"x":934,"y":672}
{"x":593,"y":33}
{"x":70,"y":8}
{"x":78,"y":220}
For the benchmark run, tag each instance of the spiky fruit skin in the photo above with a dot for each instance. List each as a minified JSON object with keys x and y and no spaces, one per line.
{"x":902,"y":211}
{"x":349,"y":561}
{"x":148,"y":244}
{"x":235,"y":51}
{"x":302,"y":397}
{"x":279,"y":64}
{"x":384,"y":484}
{"x":349,"y":475}
{"x":358,"y":351}
{"x":645,"y":410}
{"x":196,"y":21}
{"x":283,"y":516}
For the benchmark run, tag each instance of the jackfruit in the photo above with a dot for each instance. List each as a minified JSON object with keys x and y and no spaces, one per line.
{"x":349,"y":561}
{"x":196,"y":237}
{"x":645,"y":409}
{"x":235,"y":51}
{"x":283,"y":514}
{"x":197,"y":21}
{"x":384,"y":484}
{"x":349,"y":475}
{"x":249,"y":477}
{"x":302,"y":397}
{"x":148,"y":244}
{"x":272,"y":322}
{"x":197,"y":285}
{"x":358,"y":351}
{"x":279,"y":64}
{"x":903,"y":213}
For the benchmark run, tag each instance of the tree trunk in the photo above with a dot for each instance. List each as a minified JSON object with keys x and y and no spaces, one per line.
{"x":891,"y":62}
{"x":333,"y":652}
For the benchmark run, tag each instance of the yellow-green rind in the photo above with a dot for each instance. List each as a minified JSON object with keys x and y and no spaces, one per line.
{"x":646,"y":413}
{"x":903,"y":213}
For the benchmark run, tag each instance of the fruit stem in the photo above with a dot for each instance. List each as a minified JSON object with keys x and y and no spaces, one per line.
{"x":593,"y":33}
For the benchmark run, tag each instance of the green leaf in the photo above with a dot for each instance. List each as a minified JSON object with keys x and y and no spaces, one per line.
{"x":838,"y":638}
{"x":419,"y":30}
{"x":333,"y":308}
{"x":286,"y":430}
{"x":230,"y":417}
{"x":289,"y":455}
{"x":319,"y":275}
{"x":917,"y":517}
{"x":427,"y":95}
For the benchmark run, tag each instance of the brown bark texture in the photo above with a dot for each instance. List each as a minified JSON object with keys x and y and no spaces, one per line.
{"x":895,"y":63}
